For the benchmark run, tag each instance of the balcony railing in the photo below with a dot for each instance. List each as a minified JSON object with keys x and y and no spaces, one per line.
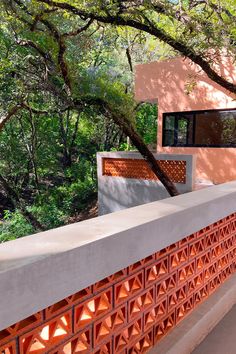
{"x":117,"y":283}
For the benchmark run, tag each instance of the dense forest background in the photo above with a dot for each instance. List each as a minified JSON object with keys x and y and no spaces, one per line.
{"x":48,"y":148}
{"x":66,"y":92}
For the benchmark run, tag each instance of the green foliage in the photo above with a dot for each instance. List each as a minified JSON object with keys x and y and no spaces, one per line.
{"x":14,"y":226}
{"x":146,"y":122}
{"x":49,"y":214}
{"x":54,"y":207}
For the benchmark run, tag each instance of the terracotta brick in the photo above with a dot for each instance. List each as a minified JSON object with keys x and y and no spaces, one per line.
{"x":224,"y":274}
{"x":43,"y":338}
{"x":214,"y":283}
{"x":128,"y":287}
{"x":109,"y":325}
{"x":9,"y":348}
{"x":234,"y":252}
{"x":128,"y":335}
{"x":178,"y":258}
{"x":155,"y":314}
{"x":108,"y":281}
{"x":211,"y":271}
{"x":104,"y":348}
{"x":66,"y":303}
{"x":231,"y":256}
{"x":224,"y":230}
{"x":80,"y":343}
{"x":143,"y":345}
{"x":227,"y":220}
{"x":223,"y":262}
{"x":20,"y":327}
{"x":196,"y":247}
{"x":176,"y":297}
{"x":164,"y":286}
{"x":139,"y":265}
{"x":229,"y":242}
{"x":92,"y":309}
{"x":167,"y":250}
{"x":211,"y":238}
{"x":156,"y":271}
{"x":228,"y":271}
{"x":230,"y":217}
{"x":186,"y":272}
{"x":203,"y":261}
{"x":217,"y":251}
{"x":205,"y":230}
{"x":201,"y":294}
{"x":164,"y":326}
{"x":140,"y":303}
{"x":187,"y":240}
{"x":196,"y":282}
{"x":152,"y":296}
{"x":233,"y":223}
{"x":184,"y":309}
{"x":139,"y":169}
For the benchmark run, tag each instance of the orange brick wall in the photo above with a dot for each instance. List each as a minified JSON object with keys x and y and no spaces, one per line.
{"x":131,"y":310}
{"x":139,"y":169}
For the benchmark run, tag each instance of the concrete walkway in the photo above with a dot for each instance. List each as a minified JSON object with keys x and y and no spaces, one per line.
{"x":222,"y":339}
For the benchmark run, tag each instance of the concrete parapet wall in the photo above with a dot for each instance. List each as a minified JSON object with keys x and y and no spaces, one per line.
{"x":140,"y":270}
{"x":119,"y":192}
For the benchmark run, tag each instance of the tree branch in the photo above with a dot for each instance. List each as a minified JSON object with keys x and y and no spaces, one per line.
{"x":15,"y":109}
{"x":128,"y":129}
{"x":61,"y":52}
{"x":79,"y":30}
{"x":176,"y":44}
{"x":28,"y":43}
{"x":129,"y":59}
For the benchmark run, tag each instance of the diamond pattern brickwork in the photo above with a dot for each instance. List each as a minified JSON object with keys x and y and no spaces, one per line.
{"x":130,"y":311}
{"x":139,"y":169}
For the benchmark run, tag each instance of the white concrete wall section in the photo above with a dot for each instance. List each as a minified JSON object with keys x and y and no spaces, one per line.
{"x":117,"y":193}
{"x":39,"y":270}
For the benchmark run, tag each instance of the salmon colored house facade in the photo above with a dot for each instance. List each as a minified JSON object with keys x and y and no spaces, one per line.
{"x":195,"y":115}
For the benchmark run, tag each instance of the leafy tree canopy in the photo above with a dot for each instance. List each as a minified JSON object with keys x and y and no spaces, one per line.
{"x":191,"y":27}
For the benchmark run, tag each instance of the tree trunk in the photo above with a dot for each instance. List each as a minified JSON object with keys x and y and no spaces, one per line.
{"x":127,"y":128}
{"x":138,"y":142}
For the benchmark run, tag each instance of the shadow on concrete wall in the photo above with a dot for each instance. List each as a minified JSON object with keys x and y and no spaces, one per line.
{"x":120,"y":193}
{"x":217,"y":165}
{"x":169,"y":81}
{"x":220,"y":163}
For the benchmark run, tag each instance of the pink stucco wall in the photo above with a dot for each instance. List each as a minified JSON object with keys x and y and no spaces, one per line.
{"x":167,"y":83}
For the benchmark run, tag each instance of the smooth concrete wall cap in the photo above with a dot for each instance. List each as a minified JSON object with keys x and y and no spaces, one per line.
{"x":39,"y":270}
{"x":137,"y":155}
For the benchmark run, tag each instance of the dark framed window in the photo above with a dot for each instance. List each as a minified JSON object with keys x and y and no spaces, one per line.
{"x":211,"y":128}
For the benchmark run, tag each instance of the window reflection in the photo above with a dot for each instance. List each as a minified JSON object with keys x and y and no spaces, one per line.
{"x":202,"y":128}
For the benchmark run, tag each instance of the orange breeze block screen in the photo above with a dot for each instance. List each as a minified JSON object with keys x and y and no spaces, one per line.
{"x":131,"y":310}
{"x":139,"y":169}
